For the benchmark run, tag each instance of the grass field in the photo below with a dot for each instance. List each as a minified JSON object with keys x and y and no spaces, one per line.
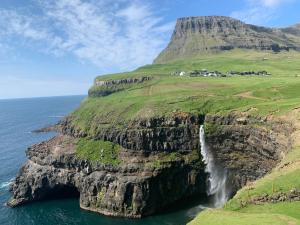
{"x":98,"y":151}
{"x":165,"y":94}
{"x":221,"y":217}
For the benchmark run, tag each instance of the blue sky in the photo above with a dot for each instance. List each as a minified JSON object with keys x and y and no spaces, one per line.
{"x":57,"y":47}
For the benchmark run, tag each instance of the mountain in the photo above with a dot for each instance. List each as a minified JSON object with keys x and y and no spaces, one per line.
{"x":136,"y":144}
{"x":208,"y":34}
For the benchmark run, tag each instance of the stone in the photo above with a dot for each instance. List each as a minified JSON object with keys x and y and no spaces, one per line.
{"x":142,"y":184}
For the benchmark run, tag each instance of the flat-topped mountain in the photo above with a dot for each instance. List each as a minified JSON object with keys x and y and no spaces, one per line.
{"x":197,"y":35}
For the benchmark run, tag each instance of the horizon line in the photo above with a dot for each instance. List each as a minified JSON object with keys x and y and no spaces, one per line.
{"x":36,"y":97}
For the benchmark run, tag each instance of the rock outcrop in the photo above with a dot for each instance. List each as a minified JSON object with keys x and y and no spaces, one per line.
{"x":247,"y":147}
{"x":106,"y":87}
{"x":179,"y":132}
{"x":145,"y":182}
{"x":199,"y":35}
{"x":122,"y":81}
{"x":160,"y":162}
{"x":292,"y":195}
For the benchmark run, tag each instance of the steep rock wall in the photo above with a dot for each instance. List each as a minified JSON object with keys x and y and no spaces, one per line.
{"x":247,"y":147}
{"x":144,"y":183}
{"x":149,"y":177}
{"x":106,"y":87}
{"x":178,"y":132}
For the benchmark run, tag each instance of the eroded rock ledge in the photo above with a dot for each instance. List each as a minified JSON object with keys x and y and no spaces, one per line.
{"x":160,"y":162}
{"x":137,"y":187}
{"x":106,"y":87}
{"x":122,"y":81}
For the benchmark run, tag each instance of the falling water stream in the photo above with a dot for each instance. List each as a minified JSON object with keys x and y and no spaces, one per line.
{"x":217,"y":176}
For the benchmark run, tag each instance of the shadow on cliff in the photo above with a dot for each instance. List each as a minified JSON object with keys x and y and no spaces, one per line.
{"x":62,"y":192}
{"x":185,"y":204}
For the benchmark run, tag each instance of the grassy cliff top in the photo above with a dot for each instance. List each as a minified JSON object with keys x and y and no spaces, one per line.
{"x":165,"y":94}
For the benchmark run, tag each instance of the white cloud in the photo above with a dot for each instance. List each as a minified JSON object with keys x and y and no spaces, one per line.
{"x":121,"y":35}
{"x":15,"y":24}
{"x":272,"y":3}
{"x":259,"y":11}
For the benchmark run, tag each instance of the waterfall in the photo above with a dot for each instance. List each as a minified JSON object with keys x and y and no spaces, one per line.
{"x":216,"y":186}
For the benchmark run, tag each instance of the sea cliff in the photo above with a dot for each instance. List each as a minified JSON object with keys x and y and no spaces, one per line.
{"x":158,"y":163}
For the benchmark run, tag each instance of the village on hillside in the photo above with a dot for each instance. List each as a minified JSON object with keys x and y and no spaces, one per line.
{"x":206,"y":73}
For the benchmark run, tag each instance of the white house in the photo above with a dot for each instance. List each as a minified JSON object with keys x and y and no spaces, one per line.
{"x":182,"y":73}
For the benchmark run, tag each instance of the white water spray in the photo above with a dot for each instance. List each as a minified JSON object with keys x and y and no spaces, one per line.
{"x":217,"y":175}
{"x":6,"y":184}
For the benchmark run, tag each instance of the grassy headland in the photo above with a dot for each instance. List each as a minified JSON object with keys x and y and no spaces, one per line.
{"x":166,"y":94}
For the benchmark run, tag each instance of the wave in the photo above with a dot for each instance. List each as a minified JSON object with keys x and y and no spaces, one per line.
{"x":56,"y":116}
{"x":5,"y":185}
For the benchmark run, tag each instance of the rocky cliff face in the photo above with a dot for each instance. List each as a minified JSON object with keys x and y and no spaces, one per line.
{"x":146,"y":181}
{"x":165,"y":134}
{"x":136,"y":188}
{"x":121,"y":81}
{"x":198,"y":35}
{"x":106,"y":87}
{"x":160,"y":162}
{"x":247,"y":147}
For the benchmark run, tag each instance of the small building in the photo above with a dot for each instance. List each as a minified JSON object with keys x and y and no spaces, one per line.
{"x":182,"y":73}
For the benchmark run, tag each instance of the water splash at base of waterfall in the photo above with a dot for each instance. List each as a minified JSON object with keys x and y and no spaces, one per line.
{"x":217,"y":175}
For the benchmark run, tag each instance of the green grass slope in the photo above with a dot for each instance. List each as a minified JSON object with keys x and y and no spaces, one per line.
{"x":218,"y":217}
{"x":166,"y":94}
{"x":278,"y":95}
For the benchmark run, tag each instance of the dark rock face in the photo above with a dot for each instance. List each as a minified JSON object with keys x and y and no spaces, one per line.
{"x":179,"y":132}
{"x":148,"y":178}
{"x":136,"y":188}
{"x":196,"y":35}
{"x":247,"y":147}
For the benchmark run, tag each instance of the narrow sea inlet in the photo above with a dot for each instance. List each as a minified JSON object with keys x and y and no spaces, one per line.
{"x":18,"y":118}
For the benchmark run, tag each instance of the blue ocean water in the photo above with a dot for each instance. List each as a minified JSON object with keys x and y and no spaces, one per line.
{"x":17,"y":119}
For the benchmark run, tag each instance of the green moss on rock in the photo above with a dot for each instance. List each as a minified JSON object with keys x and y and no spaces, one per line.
{"x":97,"y":91}
{"x":104,"y":152}
{"x":211,"y":129}
{"x":165,"y":159}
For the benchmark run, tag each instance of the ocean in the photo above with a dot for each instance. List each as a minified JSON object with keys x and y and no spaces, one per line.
{"x":18,"y":118}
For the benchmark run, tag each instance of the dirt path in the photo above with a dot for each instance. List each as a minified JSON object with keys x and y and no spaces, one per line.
{"x":249,"y":94}
{"x":294,"y":117}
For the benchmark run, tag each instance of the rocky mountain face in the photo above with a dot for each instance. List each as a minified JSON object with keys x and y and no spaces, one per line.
{"x":160,"y":162}
{"x":138,"y":187}
{"x":208,"y":34}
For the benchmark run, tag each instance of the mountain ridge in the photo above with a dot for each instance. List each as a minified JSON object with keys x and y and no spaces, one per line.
{"x":194,"y":36}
